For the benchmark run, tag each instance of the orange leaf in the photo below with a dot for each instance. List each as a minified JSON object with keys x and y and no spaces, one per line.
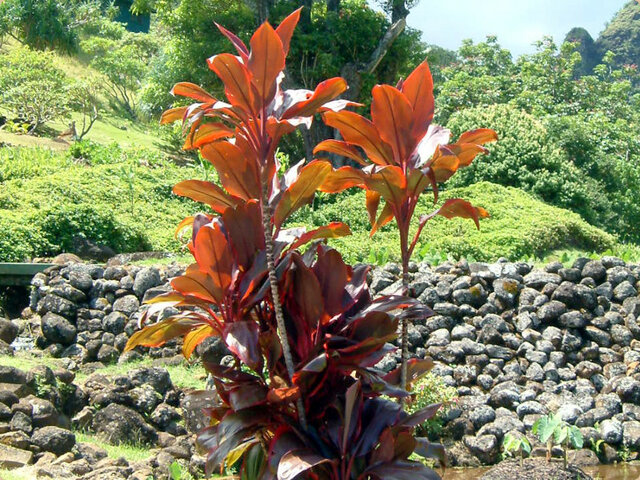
{"x":173,"y":114}
{"x":444,"y":165}
{"x":205,"y":192}
{"x":187,"y":222}
{"x":241,"y":48}
{"x":191,"y":90}
{"x":372,"y":201}
{"x":196,"y":337}
{"x":456,"y":207}
{"x":466,"y":152}
{"x":206,"y":133}
{"x":286,"y":394}
{"x":238,"y":172}
{"x":340,"y":148}
{"x":266,"y":61}
{"x":159,"y":333}
{"x":386,"y":215}
{"x":301,"y":190}
{"x":286,"y":28}
{"x":418,"y":89}
{"x":197,"y":284}
{"x":479,"y":136}
{"x":212,"y":252}
{"x":389,"y":182}
{"x":392,"y":115}
{"x":236,"y":80}
{"x":359,"y":131}
{"x":341,"y":179}
{"x":333,"y":230}
{"x":324,"y":92}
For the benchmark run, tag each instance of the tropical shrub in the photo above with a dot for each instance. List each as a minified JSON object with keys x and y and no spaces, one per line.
{"x":429,"y":390}
{"x":513,"y":445}
{"x":404,"y":154}
{"x":303,"y":398}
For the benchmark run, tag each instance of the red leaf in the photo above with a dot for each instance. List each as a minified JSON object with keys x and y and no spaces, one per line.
{"x":238,"y":173}
{"x":340,"y":148}
{"x":191,"y":90}
{"x":286,"y":28}
{"x":207,"y":133}
{"x":333,"y":230}
{"x":239,"y":45}
{"x":236,"y":80}
{"x":332,"y":275}
{"x":242,"y":338}
{"x":307,"y":294}
{"x":197,"y":284}
{"x":211,"y":250}
{"x":244,"y":227}
{"x":444,"y":164}
{"x":302,"y":190}
{"x":357,"y":130}
{"x":293,"y":463}
{"x":205,"y":192}
{"x":389,"y":182}
{"x":341,"y":179}
{"x":415,"y":369}
{"x":392,"y":115}
{"x":266,"y":61}
{"x":324,"y":92}
{"x":418,"y":89}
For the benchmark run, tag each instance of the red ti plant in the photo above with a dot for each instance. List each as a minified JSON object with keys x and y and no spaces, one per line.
{"x":404,"y":153}
{"x":302,"y":398}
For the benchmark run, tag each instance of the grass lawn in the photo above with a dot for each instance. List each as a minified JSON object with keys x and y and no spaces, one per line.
{"x":191,"y":376}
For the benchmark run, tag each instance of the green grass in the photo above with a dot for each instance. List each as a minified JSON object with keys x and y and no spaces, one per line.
{"x":132,"y":453}
{"x":26,"y":361}
{"x":183,"y":376}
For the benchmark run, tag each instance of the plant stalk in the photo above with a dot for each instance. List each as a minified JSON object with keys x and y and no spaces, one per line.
{"x":277,"y":305}
{"x":404,"y":335}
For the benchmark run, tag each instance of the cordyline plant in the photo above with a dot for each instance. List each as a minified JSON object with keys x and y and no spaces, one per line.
{"x":404,"y":154}
{"x":302,"y":398}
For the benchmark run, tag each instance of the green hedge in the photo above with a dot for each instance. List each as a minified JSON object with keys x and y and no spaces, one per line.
{"x":520,"y":227}
{"x":112,"y":196}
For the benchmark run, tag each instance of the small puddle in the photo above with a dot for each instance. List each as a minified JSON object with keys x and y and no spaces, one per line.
{"x":602,"y":472}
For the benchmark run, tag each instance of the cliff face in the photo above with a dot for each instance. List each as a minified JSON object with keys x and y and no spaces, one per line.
{"x":586,"y":46}
{"x":622,"y":35}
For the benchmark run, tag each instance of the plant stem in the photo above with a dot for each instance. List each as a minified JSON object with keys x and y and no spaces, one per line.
{"x":275,"y":294}
{"x":404,"y":248}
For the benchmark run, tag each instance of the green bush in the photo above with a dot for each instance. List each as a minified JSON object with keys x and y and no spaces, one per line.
{"x":520,"y":227}
{"x":428,"y":390}
{"x":51,"y":198}
{"x":32,"y":88}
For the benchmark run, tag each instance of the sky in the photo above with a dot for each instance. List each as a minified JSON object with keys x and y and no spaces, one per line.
{"x":517,"y":23}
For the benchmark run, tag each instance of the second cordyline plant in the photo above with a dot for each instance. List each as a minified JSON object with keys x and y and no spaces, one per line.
{"x":303,"y":398}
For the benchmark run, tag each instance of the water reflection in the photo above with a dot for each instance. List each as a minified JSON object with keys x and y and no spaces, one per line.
{"x":601,"y":472}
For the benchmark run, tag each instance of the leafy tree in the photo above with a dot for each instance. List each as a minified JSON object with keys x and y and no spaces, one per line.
{"x":123,"y":57}
{"x":32,"y":88}
{"x":47,"y":24}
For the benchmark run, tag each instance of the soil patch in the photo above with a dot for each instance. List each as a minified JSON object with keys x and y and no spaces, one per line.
{"x":534,"y":469}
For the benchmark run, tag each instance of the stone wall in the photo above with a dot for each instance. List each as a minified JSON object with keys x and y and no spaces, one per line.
{"x":516,"y":342}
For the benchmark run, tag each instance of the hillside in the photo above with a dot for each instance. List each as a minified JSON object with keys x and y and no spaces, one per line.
{"x":622,"y":35}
